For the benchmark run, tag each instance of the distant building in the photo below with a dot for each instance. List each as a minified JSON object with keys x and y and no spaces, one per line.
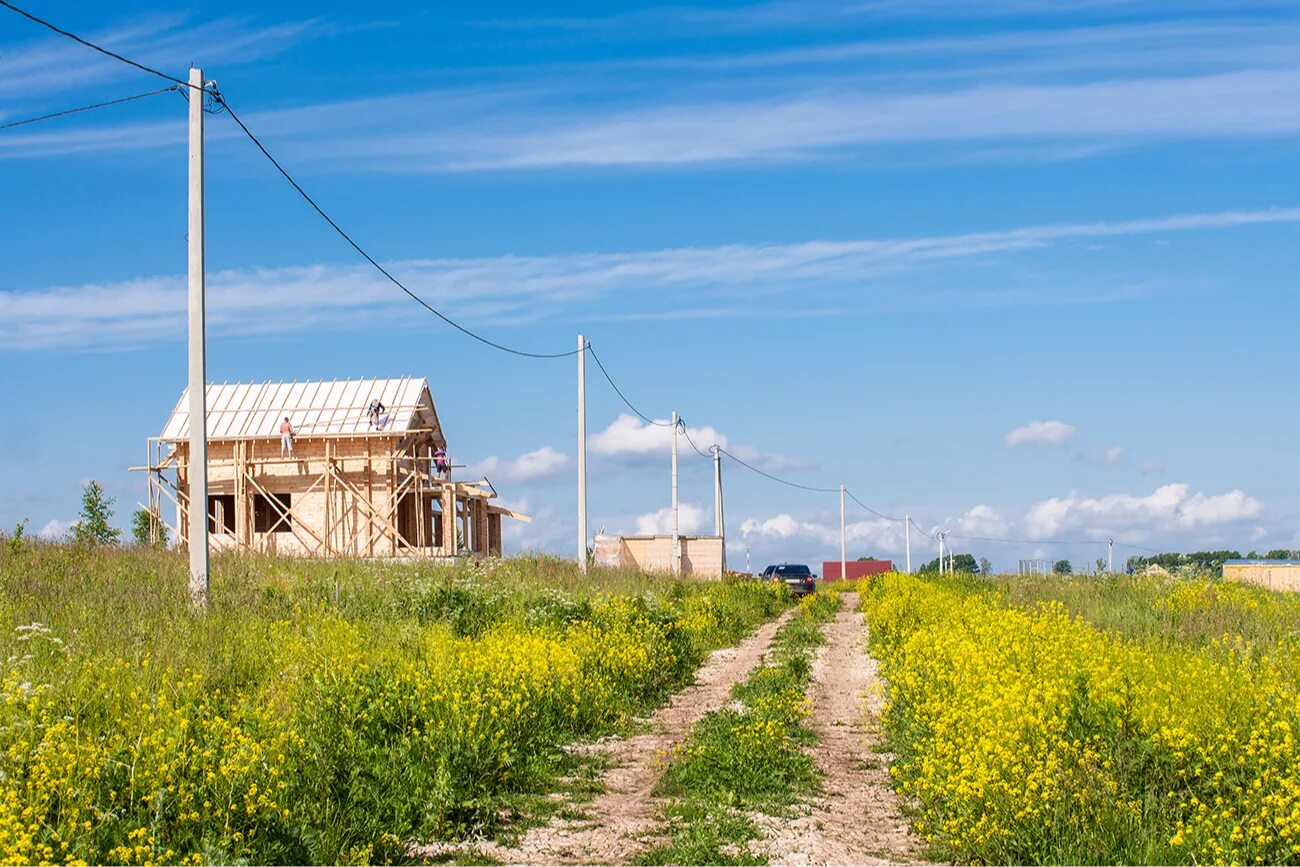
{"x":356,"y":484}
{"x":701,"y":555}
{"x":855,"y":568}
{"x":1273,"y":574}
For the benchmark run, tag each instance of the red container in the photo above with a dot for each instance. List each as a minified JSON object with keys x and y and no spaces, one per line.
{"x":855,"y":568}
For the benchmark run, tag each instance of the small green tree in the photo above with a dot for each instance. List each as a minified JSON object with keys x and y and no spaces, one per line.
{"x":986,"y":567}
{"x":92,"y":528}
{"x":148,"y":530}
{"x":1062,"y":567}
{"x":19,"y":537}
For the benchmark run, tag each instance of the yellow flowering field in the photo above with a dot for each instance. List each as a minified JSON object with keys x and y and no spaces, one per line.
{"x":1026,"y":733}
{"x":319,"y":712}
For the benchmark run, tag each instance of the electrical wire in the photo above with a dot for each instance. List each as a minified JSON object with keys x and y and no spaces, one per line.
{"x":75,"y":38}
{"x":918,"y":529}
{"x":871,"y":510}
{"x":686,"y":432}
{"x":221,"y":100}
{"x":52,"y":115}
{"x":1138,"y":548}
{"x":755,"y":469}
{"x":645,"y":418}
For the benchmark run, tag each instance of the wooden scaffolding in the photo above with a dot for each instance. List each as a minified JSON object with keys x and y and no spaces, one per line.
{"x":347,"y":492}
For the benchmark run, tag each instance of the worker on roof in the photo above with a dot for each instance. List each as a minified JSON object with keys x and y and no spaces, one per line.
{"x":376,"y":412}
{"x":440,"y":462}
{"x":286,"y":437}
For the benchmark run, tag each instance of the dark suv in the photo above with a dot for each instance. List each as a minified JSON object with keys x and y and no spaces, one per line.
{"x":797,"y":577}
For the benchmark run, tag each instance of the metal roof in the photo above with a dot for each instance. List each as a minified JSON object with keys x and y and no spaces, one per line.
{"x":245,"y":411}
{"x":1261,"y":562}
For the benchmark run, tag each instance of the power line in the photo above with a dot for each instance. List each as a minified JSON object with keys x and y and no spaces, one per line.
{"x":919,"y":530}
{"x":869,"y":509}
{"x":221,"y":100}
{"x":592,"y":350}
{"x":686,"y":432}
{"x":755,"y":469}
{"x":65,"y":113}
{"x":75,"y":38}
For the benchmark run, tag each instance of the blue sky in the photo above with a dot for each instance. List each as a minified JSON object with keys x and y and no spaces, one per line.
{"x":1021,"y":269}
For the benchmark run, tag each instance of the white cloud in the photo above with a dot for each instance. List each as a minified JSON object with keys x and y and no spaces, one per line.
{"x":1116,"y":455}
{"x":538,"y":464}
{"x":628,"y":435}
{"x":690,"y":520}
{"x":56,"y":529}
{"x":1152,"y":468}
{"x":1039,"y":433}
{"x":731,"y":280}
{"x":1169,"y":508}
{"x":983,"y":520}
{"x":877,"y":532}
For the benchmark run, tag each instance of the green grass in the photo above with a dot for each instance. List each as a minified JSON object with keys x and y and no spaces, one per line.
{"x":746,"y":759}
{"x":319,"y":711}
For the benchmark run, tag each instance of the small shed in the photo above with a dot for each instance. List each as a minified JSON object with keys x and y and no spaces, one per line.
{"x":353,"y":485}
{"x":855,"y":568}
{"x":1273,"y":574}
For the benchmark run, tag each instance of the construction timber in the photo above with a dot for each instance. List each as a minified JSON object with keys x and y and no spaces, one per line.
{"x":354,"y":485}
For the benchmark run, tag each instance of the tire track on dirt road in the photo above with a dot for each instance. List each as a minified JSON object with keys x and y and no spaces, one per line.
{"x":857,"y":818}
{"x":618,"y":822}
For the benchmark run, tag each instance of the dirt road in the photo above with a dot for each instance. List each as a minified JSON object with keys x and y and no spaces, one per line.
{"x":857,"y":819}
{"x":620,"y":819}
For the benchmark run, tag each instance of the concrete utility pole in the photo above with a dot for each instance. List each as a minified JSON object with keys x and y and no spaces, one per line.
{"x":940,"y":536}
{"x":719,"y":524}
{"x":582,"y":454}
{"x":1110,"y":556}
{"x":843,"y":555}
{"x":907,"y":540}
{"x":677,"y":550}
{"x":198,"y":469}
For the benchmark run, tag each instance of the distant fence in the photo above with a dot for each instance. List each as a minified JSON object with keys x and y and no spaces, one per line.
{"x":1273,"y":574}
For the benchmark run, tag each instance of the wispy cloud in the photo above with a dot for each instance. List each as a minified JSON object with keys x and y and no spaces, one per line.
{"x":746,"y":279}
{"x":785,"y":15}
{"x":1056,"y":93}
{"x":170,"y":42}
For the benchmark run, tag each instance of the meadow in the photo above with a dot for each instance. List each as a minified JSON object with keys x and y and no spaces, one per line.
{"x":318,"y":711}
{"x":1093,"y":720}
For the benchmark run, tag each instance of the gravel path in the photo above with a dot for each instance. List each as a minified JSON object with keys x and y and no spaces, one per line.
{"x":620,"y":821}
{"x":857,"y":819}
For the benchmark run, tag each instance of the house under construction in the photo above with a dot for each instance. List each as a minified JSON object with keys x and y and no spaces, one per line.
{"x":355,"y":485}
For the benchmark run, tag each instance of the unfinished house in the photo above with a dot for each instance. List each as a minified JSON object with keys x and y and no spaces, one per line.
{"x":355,"y":485}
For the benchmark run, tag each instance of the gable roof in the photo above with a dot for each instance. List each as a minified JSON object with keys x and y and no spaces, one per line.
{"x":246,"y":411}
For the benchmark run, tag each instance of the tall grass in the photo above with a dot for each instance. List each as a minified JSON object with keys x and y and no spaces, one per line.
{"x":318,"y":711}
